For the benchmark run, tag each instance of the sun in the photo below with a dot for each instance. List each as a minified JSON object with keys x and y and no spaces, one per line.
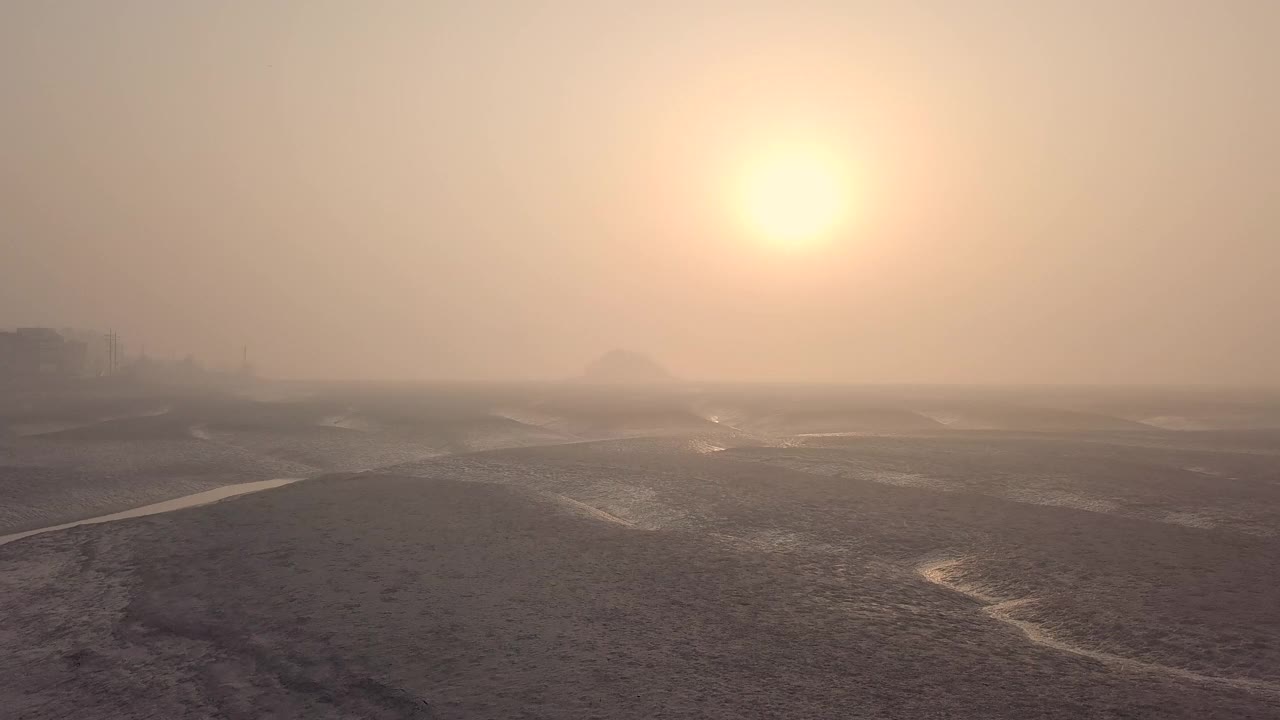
{"x":793,"y":196}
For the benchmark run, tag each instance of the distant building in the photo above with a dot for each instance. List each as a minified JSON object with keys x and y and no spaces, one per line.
{"x":8,"y":354}
{"x":35,"y":352}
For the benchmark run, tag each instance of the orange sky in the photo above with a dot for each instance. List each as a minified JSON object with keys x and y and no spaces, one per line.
{"x":1041,"y":192}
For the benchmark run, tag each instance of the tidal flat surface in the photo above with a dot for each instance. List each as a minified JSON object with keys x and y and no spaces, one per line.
{"x":700,"y":554}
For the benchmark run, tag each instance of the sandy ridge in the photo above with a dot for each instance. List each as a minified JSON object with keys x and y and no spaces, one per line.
{"x":202,"y":498}
{"x":941,"y":572}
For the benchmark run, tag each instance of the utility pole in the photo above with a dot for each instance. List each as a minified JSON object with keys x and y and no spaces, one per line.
{"x":113,"y":352}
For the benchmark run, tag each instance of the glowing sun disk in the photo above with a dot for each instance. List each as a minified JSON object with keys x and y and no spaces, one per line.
{"x":793,"y":197}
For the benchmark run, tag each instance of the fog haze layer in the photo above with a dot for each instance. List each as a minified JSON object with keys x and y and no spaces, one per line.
{"x":1044,"y":192}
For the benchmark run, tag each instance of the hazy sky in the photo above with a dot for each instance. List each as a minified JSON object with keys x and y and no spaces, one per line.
{"x":1076,"y":191}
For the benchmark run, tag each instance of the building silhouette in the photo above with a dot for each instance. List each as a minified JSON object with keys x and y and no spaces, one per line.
{"x":37,"y":352}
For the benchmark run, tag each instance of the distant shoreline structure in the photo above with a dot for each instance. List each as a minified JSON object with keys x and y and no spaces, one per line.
{"x":625,"y":367}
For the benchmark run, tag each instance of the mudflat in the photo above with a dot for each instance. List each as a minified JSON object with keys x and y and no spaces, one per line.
{"x":711,"y":570}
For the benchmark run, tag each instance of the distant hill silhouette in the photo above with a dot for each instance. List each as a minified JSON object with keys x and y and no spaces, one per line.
{"x":623,"y":366}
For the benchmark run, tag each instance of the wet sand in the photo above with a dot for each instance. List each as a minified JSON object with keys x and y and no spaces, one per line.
{"x":709,"y":572}
{"x":394,"y":596}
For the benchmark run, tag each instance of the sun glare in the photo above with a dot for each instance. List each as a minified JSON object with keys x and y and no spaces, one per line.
{"x":794,"y":196}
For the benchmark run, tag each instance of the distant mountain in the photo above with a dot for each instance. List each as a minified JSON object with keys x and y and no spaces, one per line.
{"x":623,"y":366}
